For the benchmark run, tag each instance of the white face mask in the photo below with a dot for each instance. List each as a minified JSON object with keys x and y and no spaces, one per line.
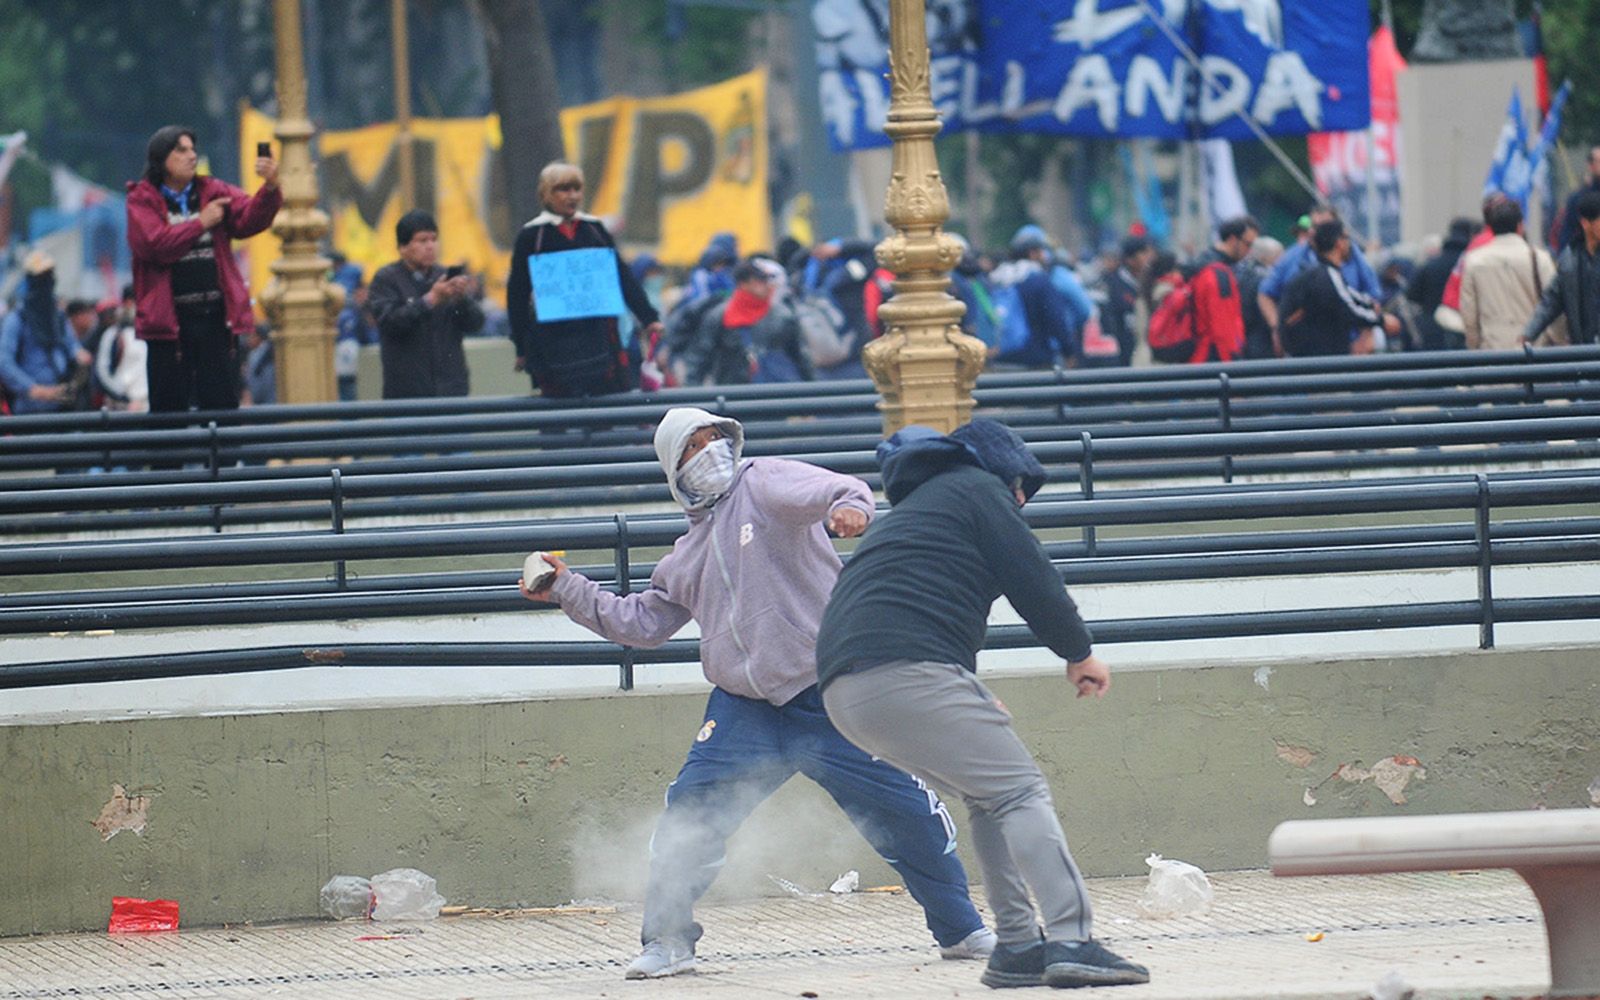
{"x":707,"y":476}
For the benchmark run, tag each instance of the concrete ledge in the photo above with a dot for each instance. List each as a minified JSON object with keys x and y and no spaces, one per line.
{"x":538,"y":802}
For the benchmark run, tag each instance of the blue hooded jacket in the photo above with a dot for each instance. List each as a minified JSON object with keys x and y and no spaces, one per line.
{"x":920,"y":585}
{"x":36,"y":348}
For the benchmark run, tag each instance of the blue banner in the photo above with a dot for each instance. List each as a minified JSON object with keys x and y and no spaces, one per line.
{"x":1107,"y":67}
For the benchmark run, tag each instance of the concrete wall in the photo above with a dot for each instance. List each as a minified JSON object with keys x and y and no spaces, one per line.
{"x":539,"y":802}
{"x":489,"y":369}
{"x":1450,"y":118}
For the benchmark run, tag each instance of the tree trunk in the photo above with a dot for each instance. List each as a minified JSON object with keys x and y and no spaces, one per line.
{"x":1467,"y":30}
{"x":522,"y":84}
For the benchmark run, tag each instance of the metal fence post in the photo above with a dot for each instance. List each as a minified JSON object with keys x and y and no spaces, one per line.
{"x":1225,"y":405}
{"x":216,"y":466}
{"x":1485,"y":561}
{"x":105,"y":428}
{"x":624,"y":587}
{"x":1086,"y":486}
{"x":1527,"y":358}
{"x":338,"y":526}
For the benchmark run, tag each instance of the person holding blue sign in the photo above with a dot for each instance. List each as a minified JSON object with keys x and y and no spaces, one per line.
{"x":565,"y":292}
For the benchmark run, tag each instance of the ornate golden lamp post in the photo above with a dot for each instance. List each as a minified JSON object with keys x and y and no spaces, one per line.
{"x":301,"y":303}
{"x":923,"y":365}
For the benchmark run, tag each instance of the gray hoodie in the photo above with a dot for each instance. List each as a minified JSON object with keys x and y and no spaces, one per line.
{"x":755,"y":570}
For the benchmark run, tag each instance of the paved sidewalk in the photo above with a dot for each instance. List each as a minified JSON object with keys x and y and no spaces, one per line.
{"x":1466,"y":935}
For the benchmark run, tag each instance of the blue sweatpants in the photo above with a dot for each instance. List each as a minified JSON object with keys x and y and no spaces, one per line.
{"x":743,"y":753}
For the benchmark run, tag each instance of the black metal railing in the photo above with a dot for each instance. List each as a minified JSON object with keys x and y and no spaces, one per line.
{"x":1399,"y":441}
{"x":1477,"y":542}
{"x":212,"y":443}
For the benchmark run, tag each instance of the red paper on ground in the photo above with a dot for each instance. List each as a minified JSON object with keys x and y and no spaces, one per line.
{"x":132,"y":916}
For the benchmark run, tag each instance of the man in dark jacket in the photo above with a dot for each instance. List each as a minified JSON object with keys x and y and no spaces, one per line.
{"x":1427,"y":288}
{"x":896,"y":659}
{"x":1117,"y":319}
{"x":1319,"y":310}
{"x":1570,"y":216}
{"x":1575,"y":293}
{"x":422,"y":314}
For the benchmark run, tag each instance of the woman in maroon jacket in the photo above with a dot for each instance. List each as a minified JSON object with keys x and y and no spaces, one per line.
{"x":191,"y":298}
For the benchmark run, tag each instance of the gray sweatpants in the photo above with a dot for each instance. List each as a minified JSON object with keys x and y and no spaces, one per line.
{"x":940,"y":723}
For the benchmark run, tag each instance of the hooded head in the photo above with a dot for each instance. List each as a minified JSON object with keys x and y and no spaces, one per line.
{"x":914,"y":454}
{"x":1002,"y":452}
{"x":677,"y":426}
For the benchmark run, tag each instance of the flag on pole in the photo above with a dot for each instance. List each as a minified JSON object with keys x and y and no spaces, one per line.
{"x":1224,"y":196}
{"x":1541,"y":158}
{"x":1510,"y":172}
{"x":10,"y":149}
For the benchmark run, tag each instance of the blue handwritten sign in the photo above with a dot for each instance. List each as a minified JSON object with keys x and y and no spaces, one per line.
{"x":574,"y":284}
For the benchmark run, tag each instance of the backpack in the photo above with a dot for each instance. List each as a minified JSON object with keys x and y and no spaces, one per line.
{"x":986,"y":320}
{"x":1172,"y":326}
{"x":1175,"y":336}
{"x":1011,"y":318}
{"x":823,"y":331}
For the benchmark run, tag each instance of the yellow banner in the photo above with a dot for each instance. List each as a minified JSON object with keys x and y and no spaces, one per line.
{"x":675,"y":171}
{"x":358,"y":175}
{"x":666,"y":173}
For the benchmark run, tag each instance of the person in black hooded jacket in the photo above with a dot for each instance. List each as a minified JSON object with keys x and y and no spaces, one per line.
{"x":897,"y":660}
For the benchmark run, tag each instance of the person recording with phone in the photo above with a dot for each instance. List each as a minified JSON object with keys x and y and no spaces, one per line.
{"x":422,"y":311}
{"x":191,"y":300}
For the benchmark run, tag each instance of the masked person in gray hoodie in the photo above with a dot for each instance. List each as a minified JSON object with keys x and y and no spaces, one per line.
{"x":755,"y":570}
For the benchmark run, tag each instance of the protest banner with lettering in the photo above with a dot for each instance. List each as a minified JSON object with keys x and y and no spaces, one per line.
{"x":1106,"y":67}
{"x":666,"y":173}
{"x":1341,"y":161}
{"x":671,"y":172}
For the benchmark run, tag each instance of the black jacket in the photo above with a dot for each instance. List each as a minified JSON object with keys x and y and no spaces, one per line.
{"x":420,"y":347}
{"x":1427,"y":291}
{"x":1574,"y":294}
{"x":920,"y":585}
{"x":1318,"y":311}
{"x":1570,"y":232}
{"x":574,"y":357}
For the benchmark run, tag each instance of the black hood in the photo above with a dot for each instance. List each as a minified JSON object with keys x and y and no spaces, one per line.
{"x":1001,"y":451}
{"x":915,"y":454}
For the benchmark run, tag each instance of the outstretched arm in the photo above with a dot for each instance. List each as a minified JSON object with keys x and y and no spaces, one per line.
{"x":801,"y":493}
{"x":648,"y":618}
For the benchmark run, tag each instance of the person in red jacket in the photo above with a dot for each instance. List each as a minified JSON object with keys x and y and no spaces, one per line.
{"x":191,"y":300}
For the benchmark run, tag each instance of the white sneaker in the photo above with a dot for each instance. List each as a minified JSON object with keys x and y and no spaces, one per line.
{"x":661,"y":958}
{"x":976,"y":946}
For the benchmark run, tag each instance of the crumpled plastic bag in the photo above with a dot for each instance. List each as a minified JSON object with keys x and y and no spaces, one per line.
{"x":1175,"y":889}
{"x":132,"y":916}
{"x":405,"y":894}
{"x":850,"y":881}
{"x":1393,"y":986}
{"x":346,"y":896}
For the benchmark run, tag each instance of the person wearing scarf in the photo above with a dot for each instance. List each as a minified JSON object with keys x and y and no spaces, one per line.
{"x":753,"y":337}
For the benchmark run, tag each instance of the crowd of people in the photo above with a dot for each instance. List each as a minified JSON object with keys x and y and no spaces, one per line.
{"x":185,"y":334}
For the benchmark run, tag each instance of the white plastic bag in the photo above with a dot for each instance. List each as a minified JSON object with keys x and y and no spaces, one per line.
{"x":405,"y":894}
{"x":346,"y":896}
{"x":1175,"y":889}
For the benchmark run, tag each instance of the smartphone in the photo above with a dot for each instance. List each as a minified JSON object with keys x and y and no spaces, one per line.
{"x":264,"y":150}
{"x":455,"y":270}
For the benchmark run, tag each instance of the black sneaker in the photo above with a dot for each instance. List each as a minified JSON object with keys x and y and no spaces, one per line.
{"x":1011,"y":966}
{"x":1068,"y":964}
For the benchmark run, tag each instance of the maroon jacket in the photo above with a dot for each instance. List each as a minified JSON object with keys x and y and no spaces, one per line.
{"x":157,"y":244}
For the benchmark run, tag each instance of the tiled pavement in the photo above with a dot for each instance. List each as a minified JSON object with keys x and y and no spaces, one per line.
{"x":1449,"y":935}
